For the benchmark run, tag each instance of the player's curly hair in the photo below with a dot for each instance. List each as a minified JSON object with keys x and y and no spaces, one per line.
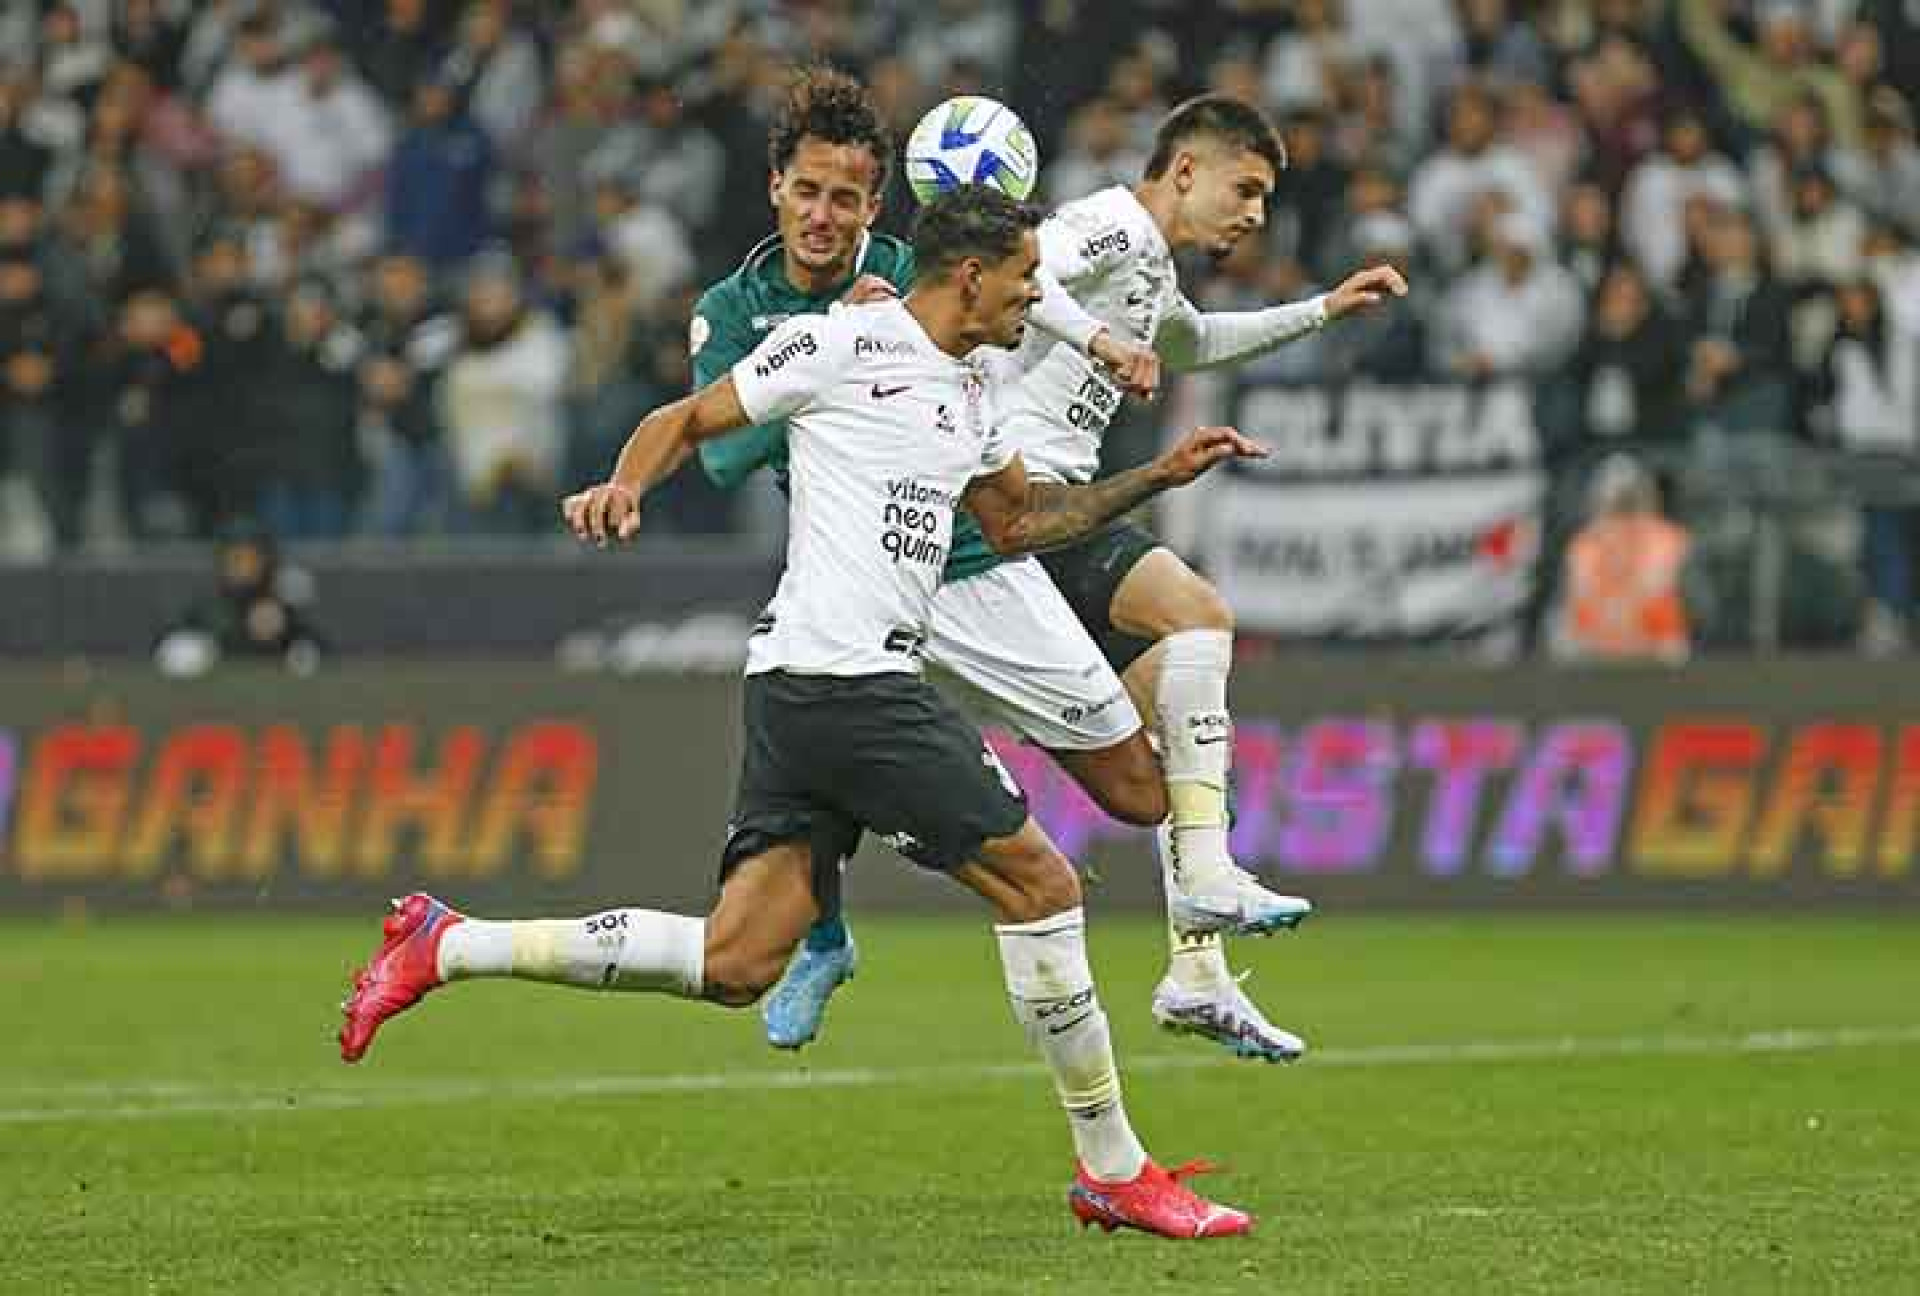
{"x":825,"y":103}
{"x":971,"y":220}
{"x":1233,"y":122}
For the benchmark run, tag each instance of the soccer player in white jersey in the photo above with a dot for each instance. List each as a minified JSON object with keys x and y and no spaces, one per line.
{"x":1000,"y":631}
{"x":1156,"y":621}
{"x":891,"y":427}
{"x":1206,"y":186}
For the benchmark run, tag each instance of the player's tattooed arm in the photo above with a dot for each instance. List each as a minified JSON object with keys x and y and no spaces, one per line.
{"x":658,"y":446}
{"x":1020,"y":515}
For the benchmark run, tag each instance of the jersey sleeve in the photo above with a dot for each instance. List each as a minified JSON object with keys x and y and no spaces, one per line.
{"x":1080,"y":243}
{"x":793,"y":365}
{"x":718,"y":338}
{"x":1063,"y":248}
{"x":1191,"y":340}
{"x":996,"y":452}
{"x":997,"y":449}
{"x":1059,"y":314}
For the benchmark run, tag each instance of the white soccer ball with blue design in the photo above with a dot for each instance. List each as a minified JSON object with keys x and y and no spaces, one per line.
{"x":971,"y":139}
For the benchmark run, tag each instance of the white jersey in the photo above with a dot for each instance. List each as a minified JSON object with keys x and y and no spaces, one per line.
{"x":1110,"y":256}
{"x":884,"y":431}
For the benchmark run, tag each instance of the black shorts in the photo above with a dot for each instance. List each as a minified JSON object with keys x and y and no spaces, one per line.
{"x":827,"y":758}
{"x":1088,"y":574}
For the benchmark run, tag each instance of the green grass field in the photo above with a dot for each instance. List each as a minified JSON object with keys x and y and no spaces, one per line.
{"x":1497,"y":1105}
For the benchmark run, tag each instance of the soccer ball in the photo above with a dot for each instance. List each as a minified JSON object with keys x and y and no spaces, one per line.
{"x":971,"y":139}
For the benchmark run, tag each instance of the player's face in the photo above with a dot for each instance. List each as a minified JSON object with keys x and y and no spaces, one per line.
{"x":1226,"y":197}
{"x":1007,"y":291}
{"x":824,"y":200}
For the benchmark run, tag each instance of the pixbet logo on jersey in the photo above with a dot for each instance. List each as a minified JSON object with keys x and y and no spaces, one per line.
{"x":912,"y":521}
{"x":864,"y":347}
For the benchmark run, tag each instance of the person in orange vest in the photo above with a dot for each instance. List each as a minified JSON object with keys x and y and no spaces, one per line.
{"x":1621,"y":587}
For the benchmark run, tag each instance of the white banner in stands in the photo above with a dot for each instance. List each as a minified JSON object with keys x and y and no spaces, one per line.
{"x":1383,"y":513}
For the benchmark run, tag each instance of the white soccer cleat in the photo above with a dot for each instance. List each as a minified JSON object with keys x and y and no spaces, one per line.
{"x":1229,"y":900}
{"x":1227,"y":1017}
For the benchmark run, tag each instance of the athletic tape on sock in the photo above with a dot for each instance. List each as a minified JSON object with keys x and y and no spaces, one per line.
{"x":1196,"y":961}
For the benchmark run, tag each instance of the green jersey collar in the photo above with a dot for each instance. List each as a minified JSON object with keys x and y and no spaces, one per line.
{"x":769,"y":250}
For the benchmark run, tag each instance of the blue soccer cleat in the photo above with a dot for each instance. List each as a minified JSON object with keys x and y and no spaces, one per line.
{"x":793,"y":1011}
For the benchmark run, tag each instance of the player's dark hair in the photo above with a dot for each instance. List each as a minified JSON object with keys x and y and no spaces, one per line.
{"x":1230,"y":121}
{"x":970,"y":220}
{"x":826,"y":104}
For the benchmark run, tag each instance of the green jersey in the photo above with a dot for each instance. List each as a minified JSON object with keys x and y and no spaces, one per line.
{"x":736,"y":314}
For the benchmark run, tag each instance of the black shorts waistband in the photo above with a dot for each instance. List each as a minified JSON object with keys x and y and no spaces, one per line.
{"x":911,"y":640}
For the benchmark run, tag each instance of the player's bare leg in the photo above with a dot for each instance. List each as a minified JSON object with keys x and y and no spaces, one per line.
{"x":1166,"y":600}
{"x":826,"y":960}
{"x":1036,"y":898}
{"x":729,"y":957}
{"x":1125,"y":779}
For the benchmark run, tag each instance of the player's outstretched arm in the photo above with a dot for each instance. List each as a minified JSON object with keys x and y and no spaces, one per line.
{"x":1020,"y":515}
{"x":1190,"y":339}
{"x":1365,"y":289}
{"x":660,"y":444}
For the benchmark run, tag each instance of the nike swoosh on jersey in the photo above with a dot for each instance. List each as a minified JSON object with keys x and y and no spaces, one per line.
{"x":881,"y":393}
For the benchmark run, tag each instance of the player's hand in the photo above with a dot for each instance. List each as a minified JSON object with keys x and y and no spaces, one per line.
{"x":601,"y":513}
{"x":1135,"y":366}
{"x":1203,"y":448}
{"x":1365,"y":289}
{"x":869,"y":288}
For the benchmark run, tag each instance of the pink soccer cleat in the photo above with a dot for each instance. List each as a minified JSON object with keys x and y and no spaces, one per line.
{"x":404,"y":968}
{"x":1154,"y":1201}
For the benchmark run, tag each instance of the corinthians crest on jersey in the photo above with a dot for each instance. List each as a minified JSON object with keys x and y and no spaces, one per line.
{"x":885,"y":431}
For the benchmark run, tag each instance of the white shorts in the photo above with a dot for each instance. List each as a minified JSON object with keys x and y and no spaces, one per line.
{"x":1022,"y":659}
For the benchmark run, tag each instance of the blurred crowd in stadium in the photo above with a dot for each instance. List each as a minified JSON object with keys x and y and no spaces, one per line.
{"x":403,"y":267}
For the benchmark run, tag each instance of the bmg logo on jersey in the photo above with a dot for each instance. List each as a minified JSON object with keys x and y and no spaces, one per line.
{"x":1099,"y":244}
{"x":799,"y":344}
{"x":915,"y":522}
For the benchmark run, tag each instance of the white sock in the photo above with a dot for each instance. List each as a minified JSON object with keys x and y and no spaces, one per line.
{"x":620,"y":949}
{"x":1197,"y":961}
{"x":1196,"y":737}
{"x":1054,"y":1001}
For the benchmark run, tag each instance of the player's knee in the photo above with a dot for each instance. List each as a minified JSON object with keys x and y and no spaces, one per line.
{"x":1048,"y":889}
{"x":1139,"y":799}
{"x":1208,"y":610}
